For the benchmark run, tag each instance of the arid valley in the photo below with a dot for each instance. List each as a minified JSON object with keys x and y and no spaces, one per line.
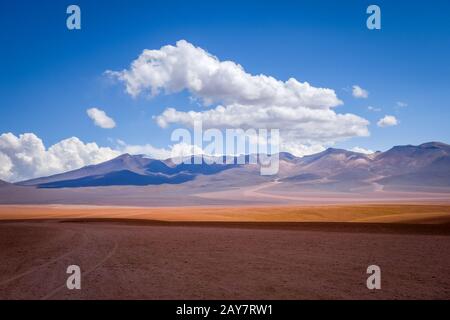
{"x":140,"y":228}
{"x":287,"y":252}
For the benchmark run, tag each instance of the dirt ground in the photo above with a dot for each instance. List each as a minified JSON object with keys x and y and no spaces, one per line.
{"x":128,"y":257}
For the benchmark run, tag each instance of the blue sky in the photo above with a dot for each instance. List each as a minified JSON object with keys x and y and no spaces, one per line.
{"x":51,"y":75}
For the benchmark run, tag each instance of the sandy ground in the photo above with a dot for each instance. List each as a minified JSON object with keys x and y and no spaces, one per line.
{"x":387,"y":213}
{"x":124,"y":253}
{"x":204,"y":194}
{"x":281,"y":193}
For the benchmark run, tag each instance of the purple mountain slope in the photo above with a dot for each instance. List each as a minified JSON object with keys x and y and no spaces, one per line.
{"x":3,"y":183}
{"x":425,"y":165}
{"x":127,"y":170}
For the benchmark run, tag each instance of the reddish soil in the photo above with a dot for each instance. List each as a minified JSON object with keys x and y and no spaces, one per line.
{"x":144,"y":259}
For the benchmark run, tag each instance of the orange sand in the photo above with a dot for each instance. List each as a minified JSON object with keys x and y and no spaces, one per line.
{"x":389,"y":213}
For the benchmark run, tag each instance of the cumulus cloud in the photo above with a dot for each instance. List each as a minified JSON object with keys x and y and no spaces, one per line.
{"x":184,"y":66}
{"x":26,"y":157}
{"x":236,"y":99}
{"x":387,"y":121}
{"x":302,"y":122}
{"x":359,"y":92}
{"x":5,"y":167}
{"x":100,"y":118}
{"x":362,"y":150}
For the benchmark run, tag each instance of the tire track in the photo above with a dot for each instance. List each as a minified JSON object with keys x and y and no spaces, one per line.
{"x":37,"y":268}
{"x":86,"y":273}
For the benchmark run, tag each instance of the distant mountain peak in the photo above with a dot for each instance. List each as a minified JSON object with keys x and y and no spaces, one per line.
{"x":434,"y":144}
{"x":287,"y":156}
{"x":125,"y":156}
{"x":411,"y":149}
{"x":337,"y":151}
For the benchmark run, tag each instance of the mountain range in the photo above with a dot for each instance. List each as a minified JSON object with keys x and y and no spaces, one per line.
{"x":425,"y":165}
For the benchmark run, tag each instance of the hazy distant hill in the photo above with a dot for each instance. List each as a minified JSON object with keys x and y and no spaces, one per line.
{"x":425,"y":165}
{"x":128,"y":170}
{"x":3,"y":183}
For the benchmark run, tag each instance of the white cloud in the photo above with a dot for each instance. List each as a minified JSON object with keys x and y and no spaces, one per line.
{"x":5,"y":167}
{"x":184,"y":149}
{"x":387,"y":121}
{"x":298,"y":124}
{"x":401,"y":104}
{"x":359,"y":92}
{"x":176,"y":150}
{"x":374,"y":109}
{"x":303,"y":113}
{"x":100,"y":118}
{"x":184,"y":66}
{"x":301,"y":150}
{"x":362,"y":150}
{"x":145,"y":149}
{"x":26,"y":157}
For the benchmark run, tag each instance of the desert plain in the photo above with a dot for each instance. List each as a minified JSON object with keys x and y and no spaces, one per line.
{"x":219,"y":252}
